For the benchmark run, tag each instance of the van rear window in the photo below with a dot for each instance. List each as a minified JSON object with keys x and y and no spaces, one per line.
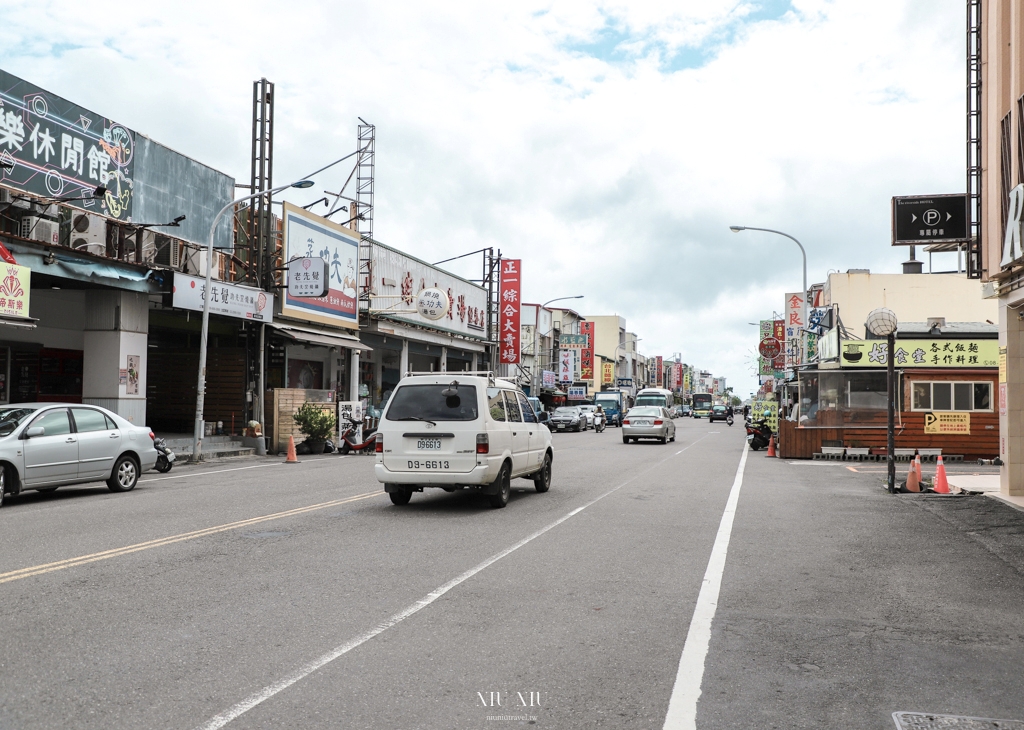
{"x":429,"y":403}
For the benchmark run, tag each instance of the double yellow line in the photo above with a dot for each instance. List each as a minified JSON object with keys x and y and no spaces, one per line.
{"x":160,"y":542}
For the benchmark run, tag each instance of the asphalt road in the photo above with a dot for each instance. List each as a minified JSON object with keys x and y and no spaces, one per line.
{"x":251,"y":594}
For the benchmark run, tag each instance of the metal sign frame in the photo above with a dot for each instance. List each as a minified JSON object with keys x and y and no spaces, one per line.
{"x":961,"y":222}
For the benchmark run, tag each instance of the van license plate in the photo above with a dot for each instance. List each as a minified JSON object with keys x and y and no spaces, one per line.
{"x":428,"y":444}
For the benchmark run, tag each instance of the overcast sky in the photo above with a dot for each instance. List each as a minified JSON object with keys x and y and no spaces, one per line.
{"x":607,"y":144}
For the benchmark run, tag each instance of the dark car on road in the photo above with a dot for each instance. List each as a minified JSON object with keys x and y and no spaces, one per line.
{"x":718,"y":413}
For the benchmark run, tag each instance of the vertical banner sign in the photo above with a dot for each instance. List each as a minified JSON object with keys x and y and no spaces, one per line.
{"x":794,"y":329}
{"x":607,"y":373}
{"x":508,"y":306}
{"x":567,"y":366}
{"x":587,"y":353}
{"x":659,"y":370}
{"x":779,"y":328}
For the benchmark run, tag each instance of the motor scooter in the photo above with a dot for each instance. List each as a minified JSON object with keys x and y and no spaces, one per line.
{"x":348,"y":439}
{"x":599,"y":422}
{"x":758,"y":434}
{"x":164,"y":456}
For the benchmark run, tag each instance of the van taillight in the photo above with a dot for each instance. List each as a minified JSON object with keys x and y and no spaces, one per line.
{"x":152,"y":436}
{"x":378,"y":444}
{"x":483,"y":444}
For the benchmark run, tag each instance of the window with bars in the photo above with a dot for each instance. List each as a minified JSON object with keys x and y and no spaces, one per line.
{"x":951,"y":396}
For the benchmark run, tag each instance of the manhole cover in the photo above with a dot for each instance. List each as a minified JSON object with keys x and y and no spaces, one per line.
{"x":930,"y":721}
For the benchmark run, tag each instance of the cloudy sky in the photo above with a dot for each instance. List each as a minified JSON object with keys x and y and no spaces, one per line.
{"x":607,"y":144}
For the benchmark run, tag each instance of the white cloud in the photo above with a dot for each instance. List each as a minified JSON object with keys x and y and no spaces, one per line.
{"x":524,"y":127}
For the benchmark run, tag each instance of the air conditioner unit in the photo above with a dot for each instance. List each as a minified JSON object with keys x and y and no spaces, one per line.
{"x":89,"y":233}
{"x":40,"y":229}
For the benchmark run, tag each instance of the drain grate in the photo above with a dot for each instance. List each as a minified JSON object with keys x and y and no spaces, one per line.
{"x":931,"y":721}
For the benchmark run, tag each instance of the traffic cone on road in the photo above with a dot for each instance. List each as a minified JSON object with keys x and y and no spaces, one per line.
{"x":917,"y":468}
{"x":771,"y":445}
{"x":292,"y":458}
{"x":913,"y":483}
{"x":941,"y":485}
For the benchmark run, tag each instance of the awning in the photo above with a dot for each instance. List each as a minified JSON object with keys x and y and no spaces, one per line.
{"x":320,"y":337}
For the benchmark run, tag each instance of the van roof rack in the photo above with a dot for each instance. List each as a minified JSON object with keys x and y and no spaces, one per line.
{"x":489,"y":374}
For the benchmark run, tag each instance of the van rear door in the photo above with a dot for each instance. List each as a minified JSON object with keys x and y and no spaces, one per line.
{"x":431,"y":428}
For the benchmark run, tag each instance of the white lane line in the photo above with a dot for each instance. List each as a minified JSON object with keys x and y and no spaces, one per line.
{"x":204,"y":473}
{"x":256,"y":698}
{"x":682,"y":706}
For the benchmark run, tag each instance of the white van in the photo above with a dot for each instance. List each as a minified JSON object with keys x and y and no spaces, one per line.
{"x":457,"y":430}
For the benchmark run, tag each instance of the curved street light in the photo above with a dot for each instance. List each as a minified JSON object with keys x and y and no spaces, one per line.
{"x":534,"y":378}
{"x":737,"y":229}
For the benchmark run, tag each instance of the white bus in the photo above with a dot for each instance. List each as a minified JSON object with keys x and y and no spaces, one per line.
{"x":654,"y":397}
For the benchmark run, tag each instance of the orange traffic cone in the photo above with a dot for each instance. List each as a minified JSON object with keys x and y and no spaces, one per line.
{"x":292,"y":458}
{"x":913,"y":483}
{"x":771,"y":445}
{"x":917,"y":468}
{"x":941,"y":485}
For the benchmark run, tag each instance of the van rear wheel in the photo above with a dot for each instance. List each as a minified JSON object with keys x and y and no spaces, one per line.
{"x":542,"y":479}
{"x":401,"y":497}
{"x":504,"y":483}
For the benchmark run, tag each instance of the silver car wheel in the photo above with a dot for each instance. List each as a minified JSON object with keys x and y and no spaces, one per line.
{"x":126,"y":474}
{"x":3,"y":483}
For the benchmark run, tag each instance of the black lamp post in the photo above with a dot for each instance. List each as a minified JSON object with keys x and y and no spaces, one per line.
{"x":882,"y":323}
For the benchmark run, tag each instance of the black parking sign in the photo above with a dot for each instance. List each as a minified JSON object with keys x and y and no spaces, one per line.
{"x":929,"y":219}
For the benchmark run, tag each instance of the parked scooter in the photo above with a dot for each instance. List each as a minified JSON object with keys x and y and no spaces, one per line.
{"x":164,"y":456}
{"x":348,"y":439}
{"x":758,"y":434}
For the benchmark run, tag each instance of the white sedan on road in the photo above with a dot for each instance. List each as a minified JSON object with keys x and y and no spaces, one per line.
{"x":48,"y":445}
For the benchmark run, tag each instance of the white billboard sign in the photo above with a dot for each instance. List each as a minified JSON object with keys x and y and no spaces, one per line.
{"x":307,"y":235}
{"x":397,"y":280}
{"x":567,"y":366}
{"x":231,"y":300}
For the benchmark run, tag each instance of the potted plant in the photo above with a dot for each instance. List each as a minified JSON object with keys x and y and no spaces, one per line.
{"x":317,"y":423}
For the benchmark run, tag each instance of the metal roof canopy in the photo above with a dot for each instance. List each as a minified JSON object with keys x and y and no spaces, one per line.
{"x":319,"y":337}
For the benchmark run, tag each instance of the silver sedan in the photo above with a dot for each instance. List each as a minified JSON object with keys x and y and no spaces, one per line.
{"x":648,"y":422}
{"x":48,"y":445}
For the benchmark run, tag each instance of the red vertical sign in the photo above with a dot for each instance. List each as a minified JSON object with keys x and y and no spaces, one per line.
{"x":659,"y":372}
{"x":779,"y":331}
{"x":508,"y":308}
{"x":587,"y":353}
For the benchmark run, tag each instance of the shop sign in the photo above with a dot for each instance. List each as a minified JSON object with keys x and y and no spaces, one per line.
{"x":587,"y":353}
{"x":929,"y":219}
{"x":433,"y":304}
{"x":948,"y":422}
{"x":308,"y":277}
{"x":757,"y":409}
{"x":770,"y":348}
{"x":659,"y":369}
{"x":795,"y":322}
{"x":509,"y":291}
{"x":50,"y":147}
{"x":1002,"y":364}
{"x":1002,"y":399}
{"x":230,"y":300}
{"x":828,"y":345}
{"x":548,"y":379}
{"x":779,"y":332}
{"x":607,"y":373}
{"x":397,"y":280}
{"x":15,"y":288}
{"x":624,"y":382}
{"x":567,"y":366}
{"x":307,"y":235}
{"x":935,"y":353}
{"x":573,"y":342}
{"x":577,"y":392}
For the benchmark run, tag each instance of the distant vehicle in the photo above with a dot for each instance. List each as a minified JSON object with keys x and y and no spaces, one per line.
{"x":589,"y":411}
{"x":452,"y":430}
{"x":613,"y":404}
{"x":48,"y":445}
{"x":701,"y":405}
{"x":654,"y":397}
{"x":648,"y":422}
{"x":684,"y":411}
{"x":568,"y":418}
{"x":718,"y":413}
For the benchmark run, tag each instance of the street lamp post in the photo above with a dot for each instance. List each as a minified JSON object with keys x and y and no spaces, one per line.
{"x":197,"y":434}
{"x":882,"y":323}
{"x":737,"y":229}
{"x":535,"y":377}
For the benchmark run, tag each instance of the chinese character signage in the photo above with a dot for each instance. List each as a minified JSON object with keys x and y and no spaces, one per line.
{"x":607,"y":373}
{"x":936,"y":353}
{"x":587,"y":353}
{"x":574,"y":342}
{"x":231,"y":300}
{"x":577,"y":392}
{"x":15,"y":286}
{"x":397,"y":279}
{"x":659,"y":371}
{"x":794,"y":329}
{"x":548,"y":379}
{"x":566,"y":366}
{"x":307,"y":236}
{"x":50,"y":147}
{"x":948,"y":422}
{"x":779,"y":329}
{"x":307,"y":277}
{"x":508,"y":310}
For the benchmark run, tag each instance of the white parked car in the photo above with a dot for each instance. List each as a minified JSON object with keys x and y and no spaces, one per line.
{"x":48,"y":445}
{"x":457,"y":430}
